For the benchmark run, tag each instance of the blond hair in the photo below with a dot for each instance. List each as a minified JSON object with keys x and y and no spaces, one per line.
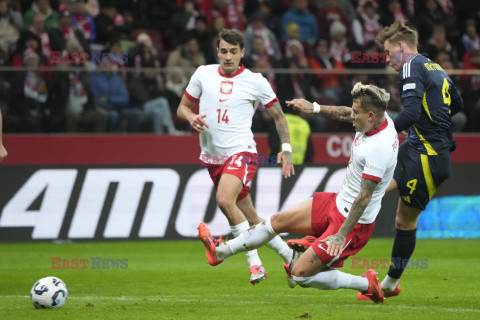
{"x":370,"y":96}
{"x":399,"y":31}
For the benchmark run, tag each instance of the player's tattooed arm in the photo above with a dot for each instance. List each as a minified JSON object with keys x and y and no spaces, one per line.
{"x":280,"y":122}
{"x":337,"y":241}
{"x":282,"y":128}
{"x":367,"y":187}
{"x":343,"y":114}
{"x":338,"y":113}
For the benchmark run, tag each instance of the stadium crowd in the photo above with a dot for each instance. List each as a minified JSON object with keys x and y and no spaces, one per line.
{"x":114,"y":88}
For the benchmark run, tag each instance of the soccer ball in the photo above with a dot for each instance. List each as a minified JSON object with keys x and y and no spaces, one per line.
{"x":49,"y":292}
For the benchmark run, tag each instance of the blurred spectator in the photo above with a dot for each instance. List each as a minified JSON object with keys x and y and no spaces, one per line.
{"x":146,"y":95}
{"x":471,"y":90}
{"x":470,"y":39}
{"x":328,"y":86}
{"x":395,"y":103}
{"x":184,"y":20}
{"x":366,"y":25}
{"x":297,"y":85}
{"x":259,"y":53}
{"x":143,"y":55}
{"x":42,"y":8}
{"x":437,"y":42}
{"x":218,"y":25}
{"x":429,"y":17}
{"x":443,"y":59}
{"x":82,"y":20}
{"x":230,"y":10}
{"x":327,"y":15}
{"x":203,"y":34}
{"x":294,"y":51}
{"x":172,"y":97}
{"x":361,"y":3}
{"x":306,"y":21}
{"x":271,"y":20}
{"x":339,"y":46}
{"x":93,"y":7}
{"x":29,"y":95}
{"x":268,"y":73}
{"x":371,"y":53}
{"x":14,"y":9}
{"x":257,"y":28}
{"x":109,"y":92}
{"x":65,"y":32}
{"x":154,"y":14}
{"x":37,"y":31}
{"x":8,"y":33}
{"x":70,"y":94}
{"x":293,"y":32}
{"x":27,"y":40}
{"x":176,"y":83}
{"x":344,"y":6}
{"x":118,"y":66}
{"x":109,"y":24}
{"x":4,"y":104}
{"x":187,"y":56}
{"x":395,"y":12}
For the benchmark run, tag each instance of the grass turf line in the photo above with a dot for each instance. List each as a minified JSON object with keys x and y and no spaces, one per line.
{"x":171,"y":280}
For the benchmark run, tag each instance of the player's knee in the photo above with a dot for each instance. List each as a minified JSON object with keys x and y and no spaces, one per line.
{"x":225,"y":202}
{"x":298,"y":275}
{"x":403,"y":222}
{"x":278,"y":222}
{"x":301,"y":281}
{"x":297,"y":271}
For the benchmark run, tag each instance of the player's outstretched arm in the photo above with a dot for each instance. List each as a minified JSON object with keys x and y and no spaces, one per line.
{"x":282,"y":128}
{"x":338,"y":113}
{"x":3,"y":151}
{"x":184,"y":111}
{"x":337,"y":241}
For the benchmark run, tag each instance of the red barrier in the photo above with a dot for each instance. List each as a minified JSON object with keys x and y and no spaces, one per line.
{"x":164,"y":150}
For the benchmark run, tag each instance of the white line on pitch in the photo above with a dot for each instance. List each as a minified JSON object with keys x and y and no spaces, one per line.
{"x":169,"y":299}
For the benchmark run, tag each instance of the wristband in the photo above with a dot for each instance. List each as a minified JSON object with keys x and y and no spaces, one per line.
{"x":286,"y":147}
{"x":316,"y":108}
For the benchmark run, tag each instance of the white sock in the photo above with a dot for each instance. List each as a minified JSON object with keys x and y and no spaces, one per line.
{"x":282,"y":248}
{"x":252,"y":238}
{"x":332,"y":280}
{"x":252,"y":255}
{"x":388,"y":284}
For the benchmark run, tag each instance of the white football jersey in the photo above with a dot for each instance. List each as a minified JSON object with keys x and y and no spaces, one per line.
{"x":373,"y":156}
{"x":229,"y":104}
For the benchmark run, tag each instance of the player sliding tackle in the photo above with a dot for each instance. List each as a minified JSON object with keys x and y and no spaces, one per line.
{"x":228,"y":95}
{"x":343,"y":222}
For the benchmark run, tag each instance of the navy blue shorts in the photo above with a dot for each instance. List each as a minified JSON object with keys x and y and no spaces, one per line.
{"x":419,"y":175}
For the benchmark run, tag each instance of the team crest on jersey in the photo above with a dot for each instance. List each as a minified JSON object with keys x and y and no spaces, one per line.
{"x":226,"y":87}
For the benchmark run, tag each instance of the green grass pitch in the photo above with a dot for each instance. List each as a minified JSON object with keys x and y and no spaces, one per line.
{"x":171,"y":280}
